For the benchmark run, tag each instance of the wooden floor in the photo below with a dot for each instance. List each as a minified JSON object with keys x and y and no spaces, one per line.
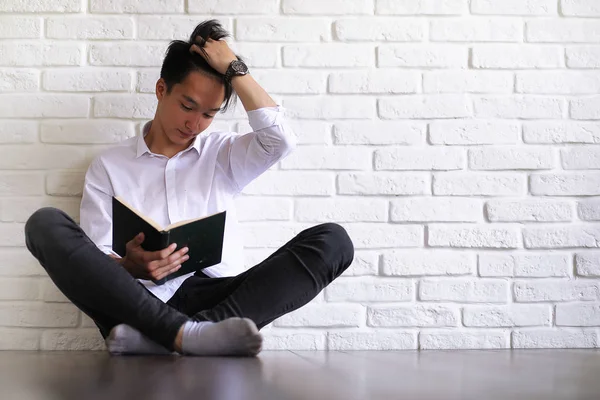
{"x":481,"y":375}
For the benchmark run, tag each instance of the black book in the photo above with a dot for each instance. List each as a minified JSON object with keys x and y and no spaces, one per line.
{"x":203,"y":236}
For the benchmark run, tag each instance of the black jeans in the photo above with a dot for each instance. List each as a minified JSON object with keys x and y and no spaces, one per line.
{"x":101,"y":288}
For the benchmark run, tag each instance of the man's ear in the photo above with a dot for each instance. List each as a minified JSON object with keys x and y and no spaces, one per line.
{"x":161,"y":89}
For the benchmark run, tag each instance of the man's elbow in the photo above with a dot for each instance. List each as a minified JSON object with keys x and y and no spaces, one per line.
{"x":278,"y":141}
{"x":288,"y":142}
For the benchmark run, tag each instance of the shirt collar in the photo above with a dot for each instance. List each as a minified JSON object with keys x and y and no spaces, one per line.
{"x":142,"y":147}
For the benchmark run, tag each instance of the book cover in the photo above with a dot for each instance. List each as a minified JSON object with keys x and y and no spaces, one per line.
{"x":203,"y":236}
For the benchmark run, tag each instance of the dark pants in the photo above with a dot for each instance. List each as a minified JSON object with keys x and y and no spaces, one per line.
{"x":107,"y":293}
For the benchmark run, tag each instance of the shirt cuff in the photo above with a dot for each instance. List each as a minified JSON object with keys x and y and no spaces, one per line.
{"x":265,"y":117}
{"x":107,"y":250}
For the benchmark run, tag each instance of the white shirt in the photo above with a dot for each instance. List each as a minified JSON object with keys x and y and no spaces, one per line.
{"x":201,"y":180}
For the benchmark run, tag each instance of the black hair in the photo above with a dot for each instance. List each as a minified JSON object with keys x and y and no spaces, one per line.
{"x":179,"y":61}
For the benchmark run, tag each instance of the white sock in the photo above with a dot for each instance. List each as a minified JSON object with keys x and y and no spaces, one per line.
{"x":230,"y":337}
{"x":124,"y":339}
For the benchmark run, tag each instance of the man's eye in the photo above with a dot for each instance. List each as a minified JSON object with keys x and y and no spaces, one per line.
{"x":185,"y":108}
{"x":208,"y":116}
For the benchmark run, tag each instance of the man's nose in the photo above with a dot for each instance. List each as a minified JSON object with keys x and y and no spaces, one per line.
{"x":192,"y":124}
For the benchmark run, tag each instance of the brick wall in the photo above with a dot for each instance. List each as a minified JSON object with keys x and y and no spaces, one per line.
{"x":456,"y":141}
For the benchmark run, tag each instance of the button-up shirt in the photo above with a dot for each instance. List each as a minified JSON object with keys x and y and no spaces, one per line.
{"x":203,"y":179}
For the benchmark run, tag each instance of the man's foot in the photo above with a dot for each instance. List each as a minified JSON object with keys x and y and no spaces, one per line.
{"x":231,"y":337}
{"x":124,"y":339}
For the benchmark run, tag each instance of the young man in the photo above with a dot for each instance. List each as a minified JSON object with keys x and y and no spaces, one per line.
{"x":173,"y":173}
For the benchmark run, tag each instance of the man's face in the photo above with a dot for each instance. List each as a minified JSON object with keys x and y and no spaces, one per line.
{"x":190,"y":106}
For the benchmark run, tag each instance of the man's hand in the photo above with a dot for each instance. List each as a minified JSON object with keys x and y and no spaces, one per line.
{"x":216,"y":52}
{"x":142,"y":264}
{"x":218,"y":55}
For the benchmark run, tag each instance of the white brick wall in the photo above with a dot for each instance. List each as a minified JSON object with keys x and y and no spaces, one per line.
{"x":455,"y":140}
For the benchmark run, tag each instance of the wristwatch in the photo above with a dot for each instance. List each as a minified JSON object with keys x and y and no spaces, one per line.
{"x":236,"y":68}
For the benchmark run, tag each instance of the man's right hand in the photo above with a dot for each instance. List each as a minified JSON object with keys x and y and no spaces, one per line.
{"x":151,"y":265}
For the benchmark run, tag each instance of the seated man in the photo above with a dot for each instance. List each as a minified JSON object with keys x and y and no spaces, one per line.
{"x":173,"y":173}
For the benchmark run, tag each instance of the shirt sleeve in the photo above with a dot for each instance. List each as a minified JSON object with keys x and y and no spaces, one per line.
{"x":96,"y":206}
{"x":245,"y":157}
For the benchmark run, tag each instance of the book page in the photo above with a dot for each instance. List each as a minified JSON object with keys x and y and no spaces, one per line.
{"x":187,"y":221}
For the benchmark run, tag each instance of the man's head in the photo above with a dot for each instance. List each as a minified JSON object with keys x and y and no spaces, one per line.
{"x":190,"y":92}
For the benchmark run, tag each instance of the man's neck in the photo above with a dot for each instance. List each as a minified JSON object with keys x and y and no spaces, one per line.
{"x":158,"y":143}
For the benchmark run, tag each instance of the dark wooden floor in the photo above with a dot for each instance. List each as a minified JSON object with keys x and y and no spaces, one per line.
{"x":481,"y":375}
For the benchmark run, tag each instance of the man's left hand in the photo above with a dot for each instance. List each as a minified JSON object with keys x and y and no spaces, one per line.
{"x":218,"y":54}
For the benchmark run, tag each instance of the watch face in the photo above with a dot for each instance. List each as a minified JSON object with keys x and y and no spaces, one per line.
{"x":239,"y":67}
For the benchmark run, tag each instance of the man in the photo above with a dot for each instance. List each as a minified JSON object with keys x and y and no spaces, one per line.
{"x":173,"y":173}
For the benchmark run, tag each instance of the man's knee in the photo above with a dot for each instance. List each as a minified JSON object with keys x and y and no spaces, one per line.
{"x":339,"y":242}
{"x":41,"y":219}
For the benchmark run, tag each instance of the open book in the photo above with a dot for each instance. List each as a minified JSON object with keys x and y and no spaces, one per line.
{"x":203,"y":236}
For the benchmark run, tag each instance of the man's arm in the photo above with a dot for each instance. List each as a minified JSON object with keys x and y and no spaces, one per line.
{"x":96,"y":222}
{"x":245,"y":157}
{"x":96,"y":208}
{"x":252,"y":95}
